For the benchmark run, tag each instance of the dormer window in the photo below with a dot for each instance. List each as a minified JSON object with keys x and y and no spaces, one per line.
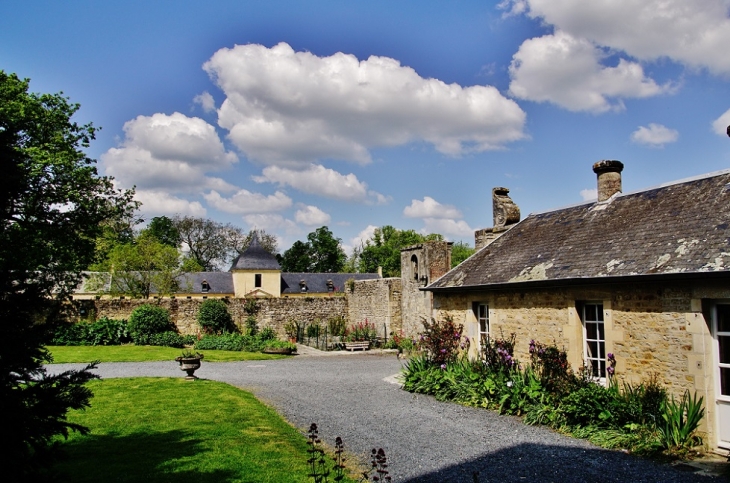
{"x":204,"y":286}
{"x":330,"y":286}
{"x":303,"y":285}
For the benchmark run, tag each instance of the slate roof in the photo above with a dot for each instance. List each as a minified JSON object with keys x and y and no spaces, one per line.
{"x":675,"y":229}
{"x":219,"y":282}
{"x":255,"y":257}
{"x":317,"y":282}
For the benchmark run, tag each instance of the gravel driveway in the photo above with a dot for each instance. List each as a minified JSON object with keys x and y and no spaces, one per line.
{"x":354,"y":396}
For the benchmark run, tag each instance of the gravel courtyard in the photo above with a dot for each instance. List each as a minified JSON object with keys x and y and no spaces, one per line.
{"x":355,"y":396}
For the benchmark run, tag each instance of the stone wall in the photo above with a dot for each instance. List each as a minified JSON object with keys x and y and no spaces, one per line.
{"x":378,"y":301}
{"x":273,"y":312}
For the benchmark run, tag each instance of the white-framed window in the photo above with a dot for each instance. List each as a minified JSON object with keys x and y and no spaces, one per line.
{"x":481,"y":313}
{"x":721,"y":322}
{"x":594,"y":339}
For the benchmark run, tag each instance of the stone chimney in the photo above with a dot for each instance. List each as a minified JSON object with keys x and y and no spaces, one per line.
{"x":505,"y":214}
{"x":609,"y":178}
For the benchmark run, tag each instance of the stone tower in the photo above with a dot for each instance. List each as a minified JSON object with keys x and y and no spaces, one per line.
{"x":420,"y":265}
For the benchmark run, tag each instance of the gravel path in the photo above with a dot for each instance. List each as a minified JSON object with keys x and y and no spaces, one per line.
{"x":354,"y":396}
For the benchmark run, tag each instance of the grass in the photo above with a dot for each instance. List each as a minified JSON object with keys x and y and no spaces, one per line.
{"x":165,"y":430}
{"x":134,"y":353}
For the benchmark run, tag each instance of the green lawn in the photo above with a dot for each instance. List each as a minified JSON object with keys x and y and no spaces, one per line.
{"x":134,"y":353}
{"x":170,"y":430}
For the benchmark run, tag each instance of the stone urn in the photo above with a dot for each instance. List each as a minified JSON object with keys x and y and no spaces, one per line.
{"x":190,"y":364}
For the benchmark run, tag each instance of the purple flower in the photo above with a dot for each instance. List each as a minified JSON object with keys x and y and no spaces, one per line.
{"x":443,"y":366}
{"x":443,"y":351}
{"x":610,"y":356}
{"x":610,"y":370}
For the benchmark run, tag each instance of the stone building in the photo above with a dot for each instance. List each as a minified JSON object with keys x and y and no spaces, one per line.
{"x":643,"y":275}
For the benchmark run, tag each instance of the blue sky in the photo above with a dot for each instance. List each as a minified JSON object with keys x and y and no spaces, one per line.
{"x":288,"y":116}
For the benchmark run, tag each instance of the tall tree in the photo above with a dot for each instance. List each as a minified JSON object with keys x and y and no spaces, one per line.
{"x":296,"y":259}
{"x":384,"y":247}
{"x":460,"y":251}
{"x":163,"y":230}
{"x":53,"y":206}
{"x":214,"y":245}
{"x":140,"y":267}
{"x":321,"y":253}
{"x":326,"y":252}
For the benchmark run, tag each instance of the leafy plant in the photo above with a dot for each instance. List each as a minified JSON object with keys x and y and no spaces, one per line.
{"x":681,"y":420}
{"x":213,"y":317}
{"x":189,"y":354}
{"x":441,"y":340}
{"x":226,"y":342}
{"x":251,"y":325}
{"x":336,"y":326}
{"x":280,"y":344}
{"x":314,"y":330}
{"x":147,"y":320}
{"x":106,"y":331}
{"x":361,"y":331}
{"x":498,"y":354}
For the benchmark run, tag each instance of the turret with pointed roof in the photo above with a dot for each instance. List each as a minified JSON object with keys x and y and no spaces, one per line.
{"x":255,"y":257}
{"x":256,"y":273}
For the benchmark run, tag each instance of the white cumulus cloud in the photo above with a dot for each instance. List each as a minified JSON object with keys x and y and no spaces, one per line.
{"x":720,"y":124}
{"x":247,"y":202}
{"x":691,"y":33}
{"x":446,"y":227}
{"x":272,"y":222}
{"x":654,"y":135}
{"x":206,"y":101}
{"x":318,"y":180}
{"x":430,"y":208}
{"x":568,"y":71}
{"x":292,"y":108}
{"x":159,"y":203}
{"x":589,"y":194}
{"x":171,"y":153}
{"x":311,"y":215}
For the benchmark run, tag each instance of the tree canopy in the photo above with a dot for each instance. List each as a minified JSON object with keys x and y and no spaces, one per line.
{"x":384,"y":247}
{"x":53,"y":207}
{"x":214,"y":245}
{"x":321,"y":253}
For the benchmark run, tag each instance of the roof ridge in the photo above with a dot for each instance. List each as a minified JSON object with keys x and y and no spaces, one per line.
{"x":620,"y":194}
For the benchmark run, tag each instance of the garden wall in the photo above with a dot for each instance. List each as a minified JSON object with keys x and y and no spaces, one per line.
{"x":273,"y":312}
{"x":378,"y":301}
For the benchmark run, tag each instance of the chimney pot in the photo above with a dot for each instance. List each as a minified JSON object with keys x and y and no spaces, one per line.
{"x":609,"y":178}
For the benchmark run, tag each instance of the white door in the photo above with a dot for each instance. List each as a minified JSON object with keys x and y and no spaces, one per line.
{"x":721,"y":331}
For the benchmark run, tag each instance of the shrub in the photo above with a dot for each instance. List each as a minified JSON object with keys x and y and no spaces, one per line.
{"x":166,"y":339}
{"x":498,"y":354}
{"x":69,"y":334}
{"x":361,"y":331}
{"x":267,"y":333}
{"x":147,"y":320}
{"x":213,"y":317}
{"x":104,"y":331}
{"x":224,"y":342}
{"x":551,"y":365}
{"x":336,"y":326}
{"x":107,"y":332}
{"x":251,"y":325}
{"x":441,"y":340}
{"x":313,"y":330}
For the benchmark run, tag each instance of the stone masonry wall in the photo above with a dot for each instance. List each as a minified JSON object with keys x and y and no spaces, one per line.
{"x":378,"y":301}
{"x":653,"y":331}
{"x":273,"y":312}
